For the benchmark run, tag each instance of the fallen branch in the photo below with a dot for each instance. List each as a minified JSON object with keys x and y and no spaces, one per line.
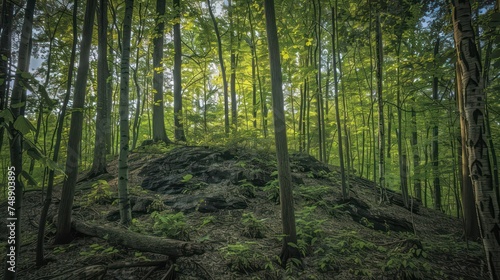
{"x":169,"y":247}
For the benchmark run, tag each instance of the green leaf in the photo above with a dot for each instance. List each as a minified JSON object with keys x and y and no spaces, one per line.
{"x":27,"y":176}
{"x":6,"y":115}
{"x":23,"y":125}
{"x":17,"y":105}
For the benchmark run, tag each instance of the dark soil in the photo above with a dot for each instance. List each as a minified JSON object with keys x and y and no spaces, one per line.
{"x":218,"y":189}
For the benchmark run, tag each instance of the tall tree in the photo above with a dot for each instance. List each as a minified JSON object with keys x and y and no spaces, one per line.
{"x":75,"y":132}
{"x":222,"y":68}
{"x":40,"y":259}
{"x":5,"y":53}
{"x":159,"y":133}
{"x":99,"y":162}
{"x":284,"y":175}
{"x":486,"y":193}
{"x":124,"y":202}
{"x":345,"y":193}
{"x":435,"y":135}
{"x":17,"y":108}
{"x":381,"y":127}
{"x":179,"y":130}
{"x":234,"y":107}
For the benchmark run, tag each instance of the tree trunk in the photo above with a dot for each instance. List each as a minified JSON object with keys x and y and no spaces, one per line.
{"x":159,"y":133}
{"x":75,"y":132}
{"x":99,"y":162}
{"x":5,"y":53}
{"x":15,"y":186}
{"x":59,"y":129}
{"x":179,"y":129}
{"x":417,"y":185}
{"x":234,"y":107}
{"x":486,"y":193}
{"x":124,"y":202}
{"x":345,"y":193}
{"x":222,"y":69}
{"x":435,"y":146}
{"x":403,"y":175}
{"x":145,"y":243}
{"x":284,"y":175}
{"x":381,"y":126}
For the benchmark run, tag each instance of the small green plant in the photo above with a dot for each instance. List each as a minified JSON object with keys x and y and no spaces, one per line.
{"x":172,"y":225}
{"x":101,"y":193}
{"x":247,"y":189}
{"x":137,"y":190}
{"x":97,"y":249}
{"x":272,"y":188}
{"x":309,"y":229}
{"x":156,"y":205}
{"x":206,"y":220}
{"x":252,"y":227}
{"x":241,"y":257}
{"x":186,"y":178}
{"x":315,"y":194}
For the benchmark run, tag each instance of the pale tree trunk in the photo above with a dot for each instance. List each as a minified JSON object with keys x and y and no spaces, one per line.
{"x":99,"y":162}
{"x":222,"y":68}
{"x":284,"y":175}
{"x":75,"y":132}
{"x":159,"y":133}
{"x":471,"y":227}
{"x":40,"y":260}
{"x":345,"y":193}
{"x":486,"y":193}
{"x":179,"y":129}
{"x":16,"y":147}
{"x":234,"y":107}
{"x":124,"y":202}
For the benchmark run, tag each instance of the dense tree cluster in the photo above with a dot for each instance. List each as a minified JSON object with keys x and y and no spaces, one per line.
{"x":382,"y":89}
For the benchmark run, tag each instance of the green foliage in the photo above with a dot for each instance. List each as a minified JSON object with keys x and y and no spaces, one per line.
{"x":272,"y":188}
{"x":242,"y":257}
{"x":207,"y":220}
{"x":157,"y":204}
{"x":309,"y":229}
{"x":99,"y":250}
{"x":252,"y":227}
{"x":186,"y":178}
{"x":247,"y":189}
{"x":172,"y":225}
{"x":101,"y":193}
{"x":314,"y":193}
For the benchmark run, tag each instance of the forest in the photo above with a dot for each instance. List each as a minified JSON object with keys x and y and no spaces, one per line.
{"x":240,"y":139}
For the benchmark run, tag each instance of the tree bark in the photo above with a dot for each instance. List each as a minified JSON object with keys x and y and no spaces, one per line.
{"x":284,"y":175}
{"x":159,"y":133}
{"x":141,"y":242}
{"x":124,"y":202}
{"x":486,"y":193}
{"x":381,"y":126}
{"x":179,"y":129}
{"x":435,"y":133}
{"x":16,"y":148}
{"x":75,"y":132}
{"x":222,"y":69}
{"x":99,"y":162}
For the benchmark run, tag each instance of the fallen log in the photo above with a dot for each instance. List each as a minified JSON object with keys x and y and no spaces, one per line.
{"x":169,"y":247}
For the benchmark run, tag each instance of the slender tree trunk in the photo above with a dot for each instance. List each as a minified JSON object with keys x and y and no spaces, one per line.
{"x":99,"y":162}
{"x":234,"y":107}
{"x":435,"y":146}
{"x":417,"y":185}
{"x":222,"y":69}
{"x":5,"y":53}
{"x":284,"y":175}
{"x":403,"y":174}
{"x":179,"y":129}
{"x":16,"y":148}
{"x":486,"y":193}
{"x":75,"y":132}
{"x":124,"y":202}
{"x":109,"y":99}
{"x":381,"y":126}
{"x":40,"y":260}
{"x":345,"y":191}
{"x":159,"y":133}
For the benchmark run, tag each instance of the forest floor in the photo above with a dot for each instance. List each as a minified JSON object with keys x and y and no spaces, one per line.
{"x":227,"y":201}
